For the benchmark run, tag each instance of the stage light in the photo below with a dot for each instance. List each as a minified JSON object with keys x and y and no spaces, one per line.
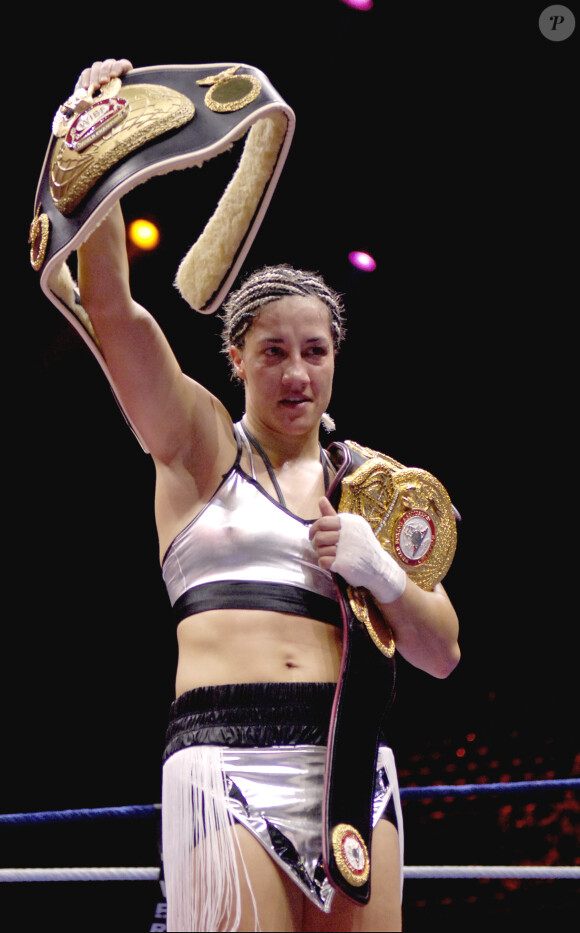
{"x":359,"y":4}
{"x":362,"y":261}
{"x":144,"y":234}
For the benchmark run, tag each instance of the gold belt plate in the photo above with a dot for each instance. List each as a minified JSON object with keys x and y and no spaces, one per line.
{"x":107,"y":131}
{"x":412,"y":517}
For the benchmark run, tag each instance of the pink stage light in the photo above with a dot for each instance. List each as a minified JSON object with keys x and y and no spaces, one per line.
{"x":362,"y":261}
{"x":359,"y":4}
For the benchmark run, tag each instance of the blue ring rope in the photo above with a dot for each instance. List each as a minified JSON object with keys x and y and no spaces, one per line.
{"x":469,"y":790}
{"x":99,"y":813}
{"x":149,"y":811}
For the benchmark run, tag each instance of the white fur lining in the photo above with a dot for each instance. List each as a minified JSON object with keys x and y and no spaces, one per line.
{"x":205,"y":266}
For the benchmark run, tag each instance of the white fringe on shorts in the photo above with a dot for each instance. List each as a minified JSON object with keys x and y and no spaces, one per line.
{"x":199,"y":845}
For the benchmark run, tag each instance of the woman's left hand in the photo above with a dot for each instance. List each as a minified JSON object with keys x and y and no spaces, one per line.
{"x":324,"y":534}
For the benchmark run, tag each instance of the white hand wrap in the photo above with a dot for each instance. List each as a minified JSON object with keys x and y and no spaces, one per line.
{"x":361,"y":560}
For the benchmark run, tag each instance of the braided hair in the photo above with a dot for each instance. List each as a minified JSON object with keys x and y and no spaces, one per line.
{"x":271,"y":283}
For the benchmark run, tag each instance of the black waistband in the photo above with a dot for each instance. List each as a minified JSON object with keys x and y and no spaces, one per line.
{"x":250,"y":716}
{"x":243,"y":594}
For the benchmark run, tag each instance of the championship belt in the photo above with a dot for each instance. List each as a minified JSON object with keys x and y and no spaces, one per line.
{"x":155,"y":121}
{"x":413,"y":518}
{"x":410,"y":513}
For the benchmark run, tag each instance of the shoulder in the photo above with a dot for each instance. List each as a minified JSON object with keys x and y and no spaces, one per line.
{"x":354,"y":455}
{"x":348,"y":457}
{"x":208,"y":438}
{"x":186,"y":482}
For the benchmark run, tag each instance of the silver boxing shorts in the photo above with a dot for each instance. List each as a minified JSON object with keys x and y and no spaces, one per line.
{"x":272,"y":788}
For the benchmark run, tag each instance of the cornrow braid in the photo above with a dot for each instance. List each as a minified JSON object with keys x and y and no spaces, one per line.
{"x":269,"y":284}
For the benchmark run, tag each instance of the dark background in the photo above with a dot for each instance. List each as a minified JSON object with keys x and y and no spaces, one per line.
{"x":438,"y":137}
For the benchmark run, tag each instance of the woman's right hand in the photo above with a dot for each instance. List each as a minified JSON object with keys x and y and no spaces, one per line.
{"x":100,"y":73}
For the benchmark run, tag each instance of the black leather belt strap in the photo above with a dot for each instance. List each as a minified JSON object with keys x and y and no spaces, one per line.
{"x":364,"y":693}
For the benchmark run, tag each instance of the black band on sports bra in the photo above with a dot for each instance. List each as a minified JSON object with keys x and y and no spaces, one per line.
{"x":244,"y":594}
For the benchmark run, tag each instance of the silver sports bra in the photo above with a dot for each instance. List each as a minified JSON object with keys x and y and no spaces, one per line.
{"x":246,"y":551}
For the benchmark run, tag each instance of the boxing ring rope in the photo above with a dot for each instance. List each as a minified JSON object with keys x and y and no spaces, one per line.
{"x":410,"y":871}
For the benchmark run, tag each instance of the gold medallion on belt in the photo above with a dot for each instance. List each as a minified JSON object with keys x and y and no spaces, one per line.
{"x":351,"y":854}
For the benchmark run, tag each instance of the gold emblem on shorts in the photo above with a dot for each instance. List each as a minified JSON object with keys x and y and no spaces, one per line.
{"x":230,"y":91}
{"x":351,"y":854}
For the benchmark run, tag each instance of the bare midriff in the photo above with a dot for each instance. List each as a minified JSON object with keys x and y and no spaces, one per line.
{"x":233,"y":646}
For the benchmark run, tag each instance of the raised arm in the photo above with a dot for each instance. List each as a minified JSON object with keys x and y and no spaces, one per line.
{"x":171,"y":411}
{"x":152,"y":390}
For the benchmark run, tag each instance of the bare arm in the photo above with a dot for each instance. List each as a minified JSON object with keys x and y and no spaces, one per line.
{"x":426,"y":629}
{"x":170,"y":410}
{"x":151,"y":387}
{"x":424,"y":623}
